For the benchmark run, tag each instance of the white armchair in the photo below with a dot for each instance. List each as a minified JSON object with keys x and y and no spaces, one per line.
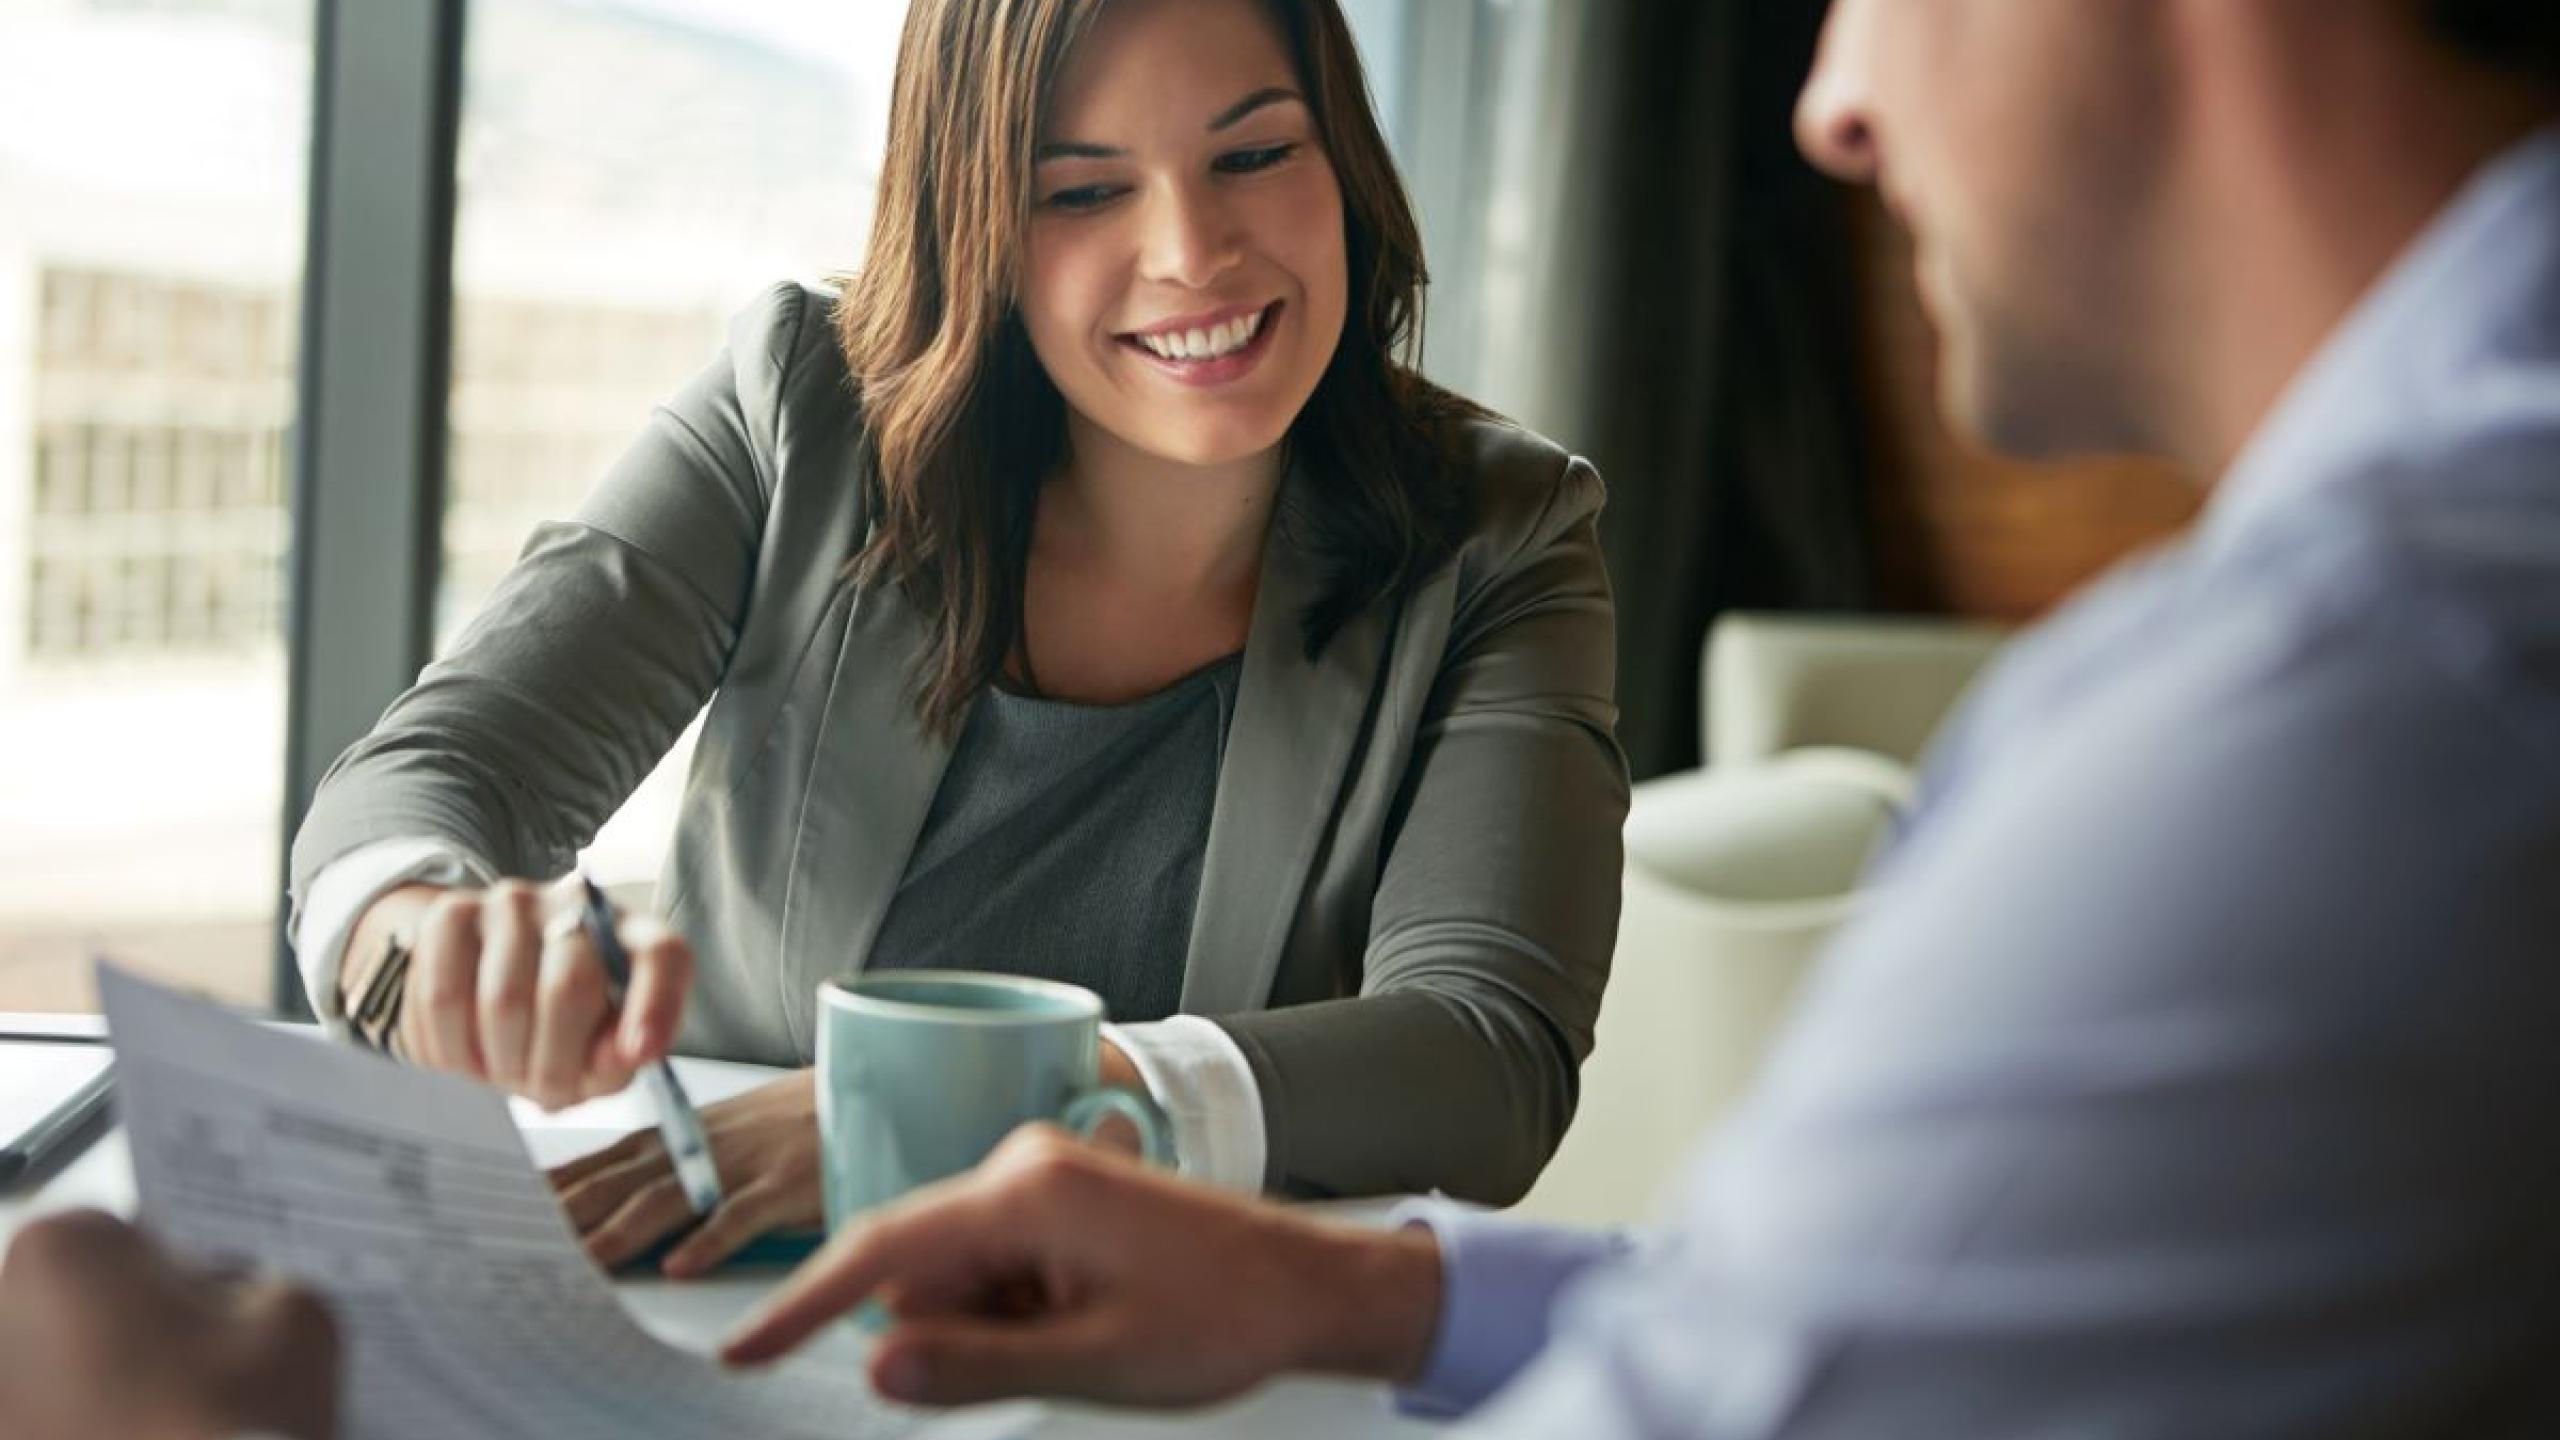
{"x":1781,"y":682}
{"x":1737,"y":874}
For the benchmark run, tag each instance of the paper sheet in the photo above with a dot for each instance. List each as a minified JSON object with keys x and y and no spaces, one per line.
{"x":408,"y":1199}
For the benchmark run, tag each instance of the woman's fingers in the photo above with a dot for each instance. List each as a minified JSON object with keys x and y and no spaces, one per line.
{"x":740,"y":1218}
{"x":570,"y":1007}
{"x":608,"y":1071}
{"x":656,"y":1211}
{"x":510,"y":964}
{"x":610,"y":1177}
{"x":505,"y":985}
{"x":564,"y":1177}
{"x":661,"y":975}
{"x":443,"y":989}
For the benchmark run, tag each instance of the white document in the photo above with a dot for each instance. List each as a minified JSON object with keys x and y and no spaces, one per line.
{"x":407,"y":1199}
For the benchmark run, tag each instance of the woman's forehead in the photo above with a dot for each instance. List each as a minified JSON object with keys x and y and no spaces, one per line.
{"x":1173,"y":65}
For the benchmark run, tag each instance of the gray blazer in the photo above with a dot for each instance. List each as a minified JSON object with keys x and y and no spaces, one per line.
{"x":1411,"y":885}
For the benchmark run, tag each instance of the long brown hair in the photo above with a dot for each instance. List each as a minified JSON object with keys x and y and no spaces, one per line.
{"x":963,"y":423}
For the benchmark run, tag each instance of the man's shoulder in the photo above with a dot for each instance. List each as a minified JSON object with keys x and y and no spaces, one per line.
{"x":2301,"y":760}
{"x":2400,"y":630}
{"x":2442,"y":561}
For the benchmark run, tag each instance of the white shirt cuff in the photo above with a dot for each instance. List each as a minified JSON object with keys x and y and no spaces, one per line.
{"x":1201,"y":1080}
{"x":346,"y":887}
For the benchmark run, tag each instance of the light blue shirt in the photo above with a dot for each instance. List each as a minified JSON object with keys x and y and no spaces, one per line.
{"x":2198,"y":1071}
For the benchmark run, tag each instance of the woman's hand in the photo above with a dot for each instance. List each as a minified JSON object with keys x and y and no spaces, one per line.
{"x":625,"y":1197}
{"x":504,"y":986}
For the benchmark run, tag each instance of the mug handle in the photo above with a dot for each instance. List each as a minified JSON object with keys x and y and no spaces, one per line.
{"x":1086,"y":1112}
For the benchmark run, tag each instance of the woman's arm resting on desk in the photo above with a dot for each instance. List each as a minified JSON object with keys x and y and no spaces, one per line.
{"x":1457,"y":1066}
{"x":607,"y":637}
{"x":1058,"y":1269}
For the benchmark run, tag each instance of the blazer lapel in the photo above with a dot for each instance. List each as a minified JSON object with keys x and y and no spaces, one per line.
{"x":1296,"y":723}
{"x":871,"y":784}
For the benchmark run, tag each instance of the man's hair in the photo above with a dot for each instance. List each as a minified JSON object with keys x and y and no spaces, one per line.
{"x":2517,"y":35}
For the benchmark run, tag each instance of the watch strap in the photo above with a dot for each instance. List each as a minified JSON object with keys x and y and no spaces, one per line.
{"x":375,"y":1016}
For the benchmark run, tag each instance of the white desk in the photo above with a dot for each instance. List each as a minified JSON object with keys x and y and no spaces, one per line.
{"x":697,"y":1313}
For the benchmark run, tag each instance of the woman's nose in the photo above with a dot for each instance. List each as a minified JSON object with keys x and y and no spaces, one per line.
{"x":1191,"y":237}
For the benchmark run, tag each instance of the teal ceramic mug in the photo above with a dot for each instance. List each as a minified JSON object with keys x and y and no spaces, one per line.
{"x":922,"y":1072}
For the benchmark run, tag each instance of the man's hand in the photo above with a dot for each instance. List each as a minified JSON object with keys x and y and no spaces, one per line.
{"x":102,"y":1338}
{"x":1062,"y":1269}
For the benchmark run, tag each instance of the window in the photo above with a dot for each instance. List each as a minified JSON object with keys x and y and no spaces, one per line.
{"x":136,"y":493}
{"x":148,"y":277}
{"x":632,"y":173}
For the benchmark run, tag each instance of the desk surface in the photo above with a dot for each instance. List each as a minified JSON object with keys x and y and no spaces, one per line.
{"x":695,"y":1314}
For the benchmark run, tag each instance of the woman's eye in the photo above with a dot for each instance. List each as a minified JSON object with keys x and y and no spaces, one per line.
{"x":1246,"y":162}
{"x":1082,"y":197}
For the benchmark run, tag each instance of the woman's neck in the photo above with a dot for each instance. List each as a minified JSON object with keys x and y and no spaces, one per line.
{"x":1183,"y":531}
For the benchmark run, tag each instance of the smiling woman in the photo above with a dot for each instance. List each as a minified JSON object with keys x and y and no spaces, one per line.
{"x":1194,"y":169}
{"x":1090,"y":590}
{"x":1165,"y":254}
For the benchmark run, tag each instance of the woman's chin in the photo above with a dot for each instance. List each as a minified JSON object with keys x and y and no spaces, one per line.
{"x":1208,"y":447}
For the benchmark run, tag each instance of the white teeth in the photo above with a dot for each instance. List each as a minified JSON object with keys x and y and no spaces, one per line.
{"x":1211,"y":344}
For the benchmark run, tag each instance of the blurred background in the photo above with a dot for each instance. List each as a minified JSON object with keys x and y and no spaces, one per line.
{"x":310,"y":309}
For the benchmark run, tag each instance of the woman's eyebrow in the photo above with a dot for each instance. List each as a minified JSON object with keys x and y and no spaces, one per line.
{"x":1074,"y":150}
{"x":1268,"y":95}
{"x":1226,"y":119}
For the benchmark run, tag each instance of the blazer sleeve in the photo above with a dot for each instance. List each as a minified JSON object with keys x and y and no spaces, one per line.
{"x":606,"y":638}
{"x":1456,"y":1068}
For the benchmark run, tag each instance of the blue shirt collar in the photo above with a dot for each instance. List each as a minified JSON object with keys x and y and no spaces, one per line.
{"x":2482,"y":267}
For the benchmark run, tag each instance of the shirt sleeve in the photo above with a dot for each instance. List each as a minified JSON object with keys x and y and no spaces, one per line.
{"x":609,"y":634}
{"x":1456,"y":1067}
{"x":2170,"y":1087}
{"x":346,"y":887}
{"x":1500,"y":1280}
{"x":1200,"y":1079}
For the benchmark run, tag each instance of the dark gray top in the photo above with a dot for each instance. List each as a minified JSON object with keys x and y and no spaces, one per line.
{"x":1065,"y":842}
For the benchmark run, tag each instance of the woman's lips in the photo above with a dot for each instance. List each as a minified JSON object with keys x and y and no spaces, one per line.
{"x":1215,"y":370}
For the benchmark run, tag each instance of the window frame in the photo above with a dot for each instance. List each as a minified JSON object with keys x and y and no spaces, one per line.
{"x":369,"y":426}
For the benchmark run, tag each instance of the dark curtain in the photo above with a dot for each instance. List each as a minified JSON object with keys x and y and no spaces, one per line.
{"x":1722,"y":403}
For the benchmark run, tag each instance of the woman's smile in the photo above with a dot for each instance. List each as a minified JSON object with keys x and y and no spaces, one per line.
{"x":1208,"y":350}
